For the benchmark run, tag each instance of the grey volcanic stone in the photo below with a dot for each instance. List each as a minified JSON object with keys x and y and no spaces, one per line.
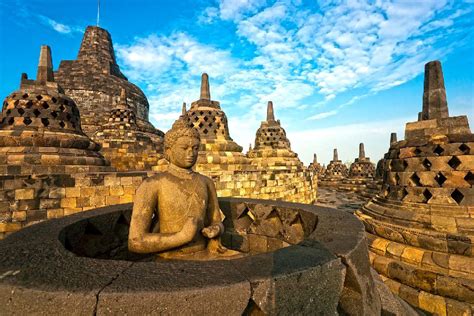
{"x":287,"y":281}
{"x":173,"y":287}
{"x":324,"y":274}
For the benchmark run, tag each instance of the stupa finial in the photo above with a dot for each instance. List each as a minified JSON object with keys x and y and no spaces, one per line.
{"x":435,"y":104}
{"x":335,"y":156}
{"x":45,"y":65}
{"x":270,"y":113}
{"x":205,"y":91}
{"x":183,"y":109}
{"x":393,"y":138}
{"x":361,"y":151}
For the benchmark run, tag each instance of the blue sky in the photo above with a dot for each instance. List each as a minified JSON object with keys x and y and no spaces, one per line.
{"x":338,"y":72}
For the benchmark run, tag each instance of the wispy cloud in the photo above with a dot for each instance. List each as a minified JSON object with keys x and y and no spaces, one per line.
{"x":322,"y":115}
{"x":58,"y":27}
{"x":302,"y":56}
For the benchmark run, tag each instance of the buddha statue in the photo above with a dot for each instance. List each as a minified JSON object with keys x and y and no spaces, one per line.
{"x":176,"y":212}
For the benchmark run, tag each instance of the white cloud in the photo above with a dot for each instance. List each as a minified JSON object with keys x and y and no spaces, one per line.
{"x":322,"y":115}
{"x":59,"y":27}
{"x":235,"y":9}
{"x":301,"y":57}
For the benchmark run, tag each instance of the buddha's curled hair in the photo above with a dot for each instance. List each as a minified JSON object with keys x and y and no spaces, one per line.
{"x":179,"y":129}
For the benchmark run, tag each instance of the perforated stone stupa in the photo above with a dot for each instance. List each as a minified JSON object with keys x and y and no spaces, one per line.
{"x":362,"y":168}
{"x":336,"y":169}
{"x":124,"y":144}
{"x":217,"y":151}
{"x":94,"y":80}
{"x":315,"y":166}
{"x":40,"y":129}
{"x":421,"y":226}
{"x":272,"y":148}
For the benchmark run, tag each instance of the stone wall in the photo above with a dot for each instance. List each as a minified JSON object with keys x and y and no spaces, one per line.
{"x":28,"y":199}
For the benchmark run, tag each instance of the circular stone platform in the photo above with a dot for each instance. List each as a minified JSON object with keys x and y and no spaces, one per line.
{"x":303,"y":259}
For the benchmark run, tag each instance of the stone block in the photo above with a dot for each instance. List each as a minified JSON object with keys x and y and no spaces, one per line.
{"x":24,"y":194}
{"x":9,"y":227}
{"x":73,"y":192}
{"x":55,"y":213}
{"x":68,"y":202}
{"x":432,"y":303}
{"x":116,"y":190}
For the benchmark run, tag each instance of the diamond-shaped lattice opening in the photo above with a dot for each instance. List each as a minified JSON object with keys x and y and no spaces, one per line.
{"x":404,"y":165}
{"x":206,"y":118}
{"x":45,"y":122}
{"x":426,"y":163}
{"x":8,"y":112}
{"x":415,"y":180}
{"x":404,"y":193}
{"x":45,"y":105}
{"x":62,"y":124}
{"x":27,"y":121}
{"x":427,"y":195}
{"x":37,"y":112}
{"x":11,"y":121}
{"x":215,"y":131}
{"x":54,"y":99}
{"x":54,"y":114}
{"x":465,"y":149}
{"x":469,"y":178}
{"x":66,"y":102}
{"x":454,"y":162}
{"x":21,"y":111}
{"x":16,"y":102}
{"x":417,"y":151}
{"x":39,"y":97}
{"x":438,"y":150}
{"x":200,"y":125}
{"x":29,"y":104}
{"x":62,"y":107}
{"x":205,"y":131}
{"x":210,"y":124}
{"x":440,"y":178}
{"x":25,"y":96}
{"x":457,"y":196}
{"x":196,"y":118}
{"x":201,"y":113}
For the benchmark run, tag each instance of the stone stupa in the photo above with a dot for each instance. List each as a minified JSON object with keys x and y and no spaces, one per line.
{"x":40,"y":129}
{"x":94,"y":80}
{"x":336,"y":170}
{"x":362,"y":167}
{"x":127,"y":147}
{"x":315,"y":166}
{"x":421,"y":227}
{"x":218,"y":152}
{"x":272,"y":148}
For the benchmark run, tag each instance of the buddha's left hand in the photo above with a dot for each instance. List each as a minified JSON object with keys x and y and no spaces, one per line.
{"x":212,"y":231}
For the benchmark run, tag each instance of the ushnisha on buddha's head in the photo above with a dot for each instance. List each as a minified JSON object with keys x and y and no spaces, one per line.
{"x":182,"y":144}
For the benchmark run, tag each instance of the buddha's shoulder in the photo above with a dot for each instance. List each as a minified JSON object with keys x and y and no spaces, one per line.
{"x":156,"y":178}
{"x":203,"y":178}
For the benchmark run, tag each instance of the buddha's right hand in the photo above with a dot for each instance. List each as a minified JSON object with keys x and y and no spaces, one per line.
{"x":189,"y":229}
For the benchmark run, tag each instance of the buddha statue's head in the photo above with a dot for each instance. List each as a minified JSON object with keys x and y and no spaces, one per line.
{"x":182,"y":144}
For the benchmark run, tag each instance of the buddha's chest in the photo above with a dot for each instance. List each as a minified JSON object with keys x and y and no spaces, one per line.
{"x":180,"y":199}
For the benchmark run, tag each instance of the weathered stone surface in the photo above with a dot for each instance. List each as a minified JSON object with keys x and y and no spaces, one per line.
{"x":307,"y":278}
{"x":420,"y":224}
{"x":94,"y":79}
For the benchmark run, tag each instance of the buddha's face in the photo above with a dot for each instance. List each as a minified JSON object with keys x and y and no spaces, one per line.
{"x":184,"y":152}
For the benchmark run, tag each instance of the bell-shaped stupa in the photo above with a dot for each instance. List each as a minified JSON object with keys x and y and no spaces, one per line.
{"x":40,"y":129}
